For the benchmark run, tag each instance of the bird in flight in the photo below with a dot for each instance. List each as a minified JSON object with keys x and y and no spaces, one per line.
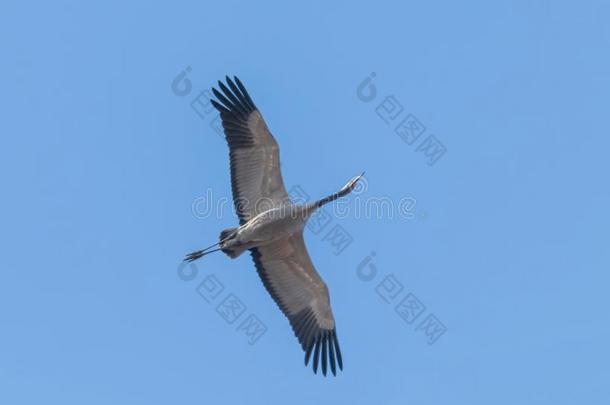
{"x":271,"y":227}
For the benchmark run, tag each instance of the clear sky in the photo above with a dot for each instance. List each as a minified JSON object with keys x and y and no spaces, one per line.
{"x":485,"y":125}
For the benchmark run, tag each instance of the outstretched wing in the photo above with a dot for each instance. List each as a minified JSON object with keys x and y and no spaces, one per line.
{"x":288,"y":274}
{"x":256,"y":179}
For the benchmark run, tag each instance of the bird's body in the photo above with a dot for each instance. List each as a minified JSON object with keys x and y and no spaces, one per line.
{"x":267,"y":227}
{"x":271,"y":227}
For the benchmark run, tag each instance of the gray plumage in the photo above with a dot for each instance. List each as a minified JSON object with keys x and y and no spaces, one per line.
{"x":271,"y":227}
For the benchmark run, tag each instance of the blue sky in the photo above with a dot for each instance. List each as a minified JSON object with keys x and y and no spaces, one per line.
{"x":107,"y":170}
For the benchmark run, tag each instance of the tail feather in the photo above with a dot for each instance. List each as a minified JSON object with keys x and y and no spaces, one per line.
{"x":226,"y":233}
{"x":224,"y":236}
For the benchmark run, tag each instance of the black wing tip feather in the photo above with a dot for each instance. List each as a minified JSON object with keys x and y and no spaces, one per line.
{"x":326,"y":352}
{"x":322,"y":343}
{"x":235,"y":107}
{"x":233,"y":99}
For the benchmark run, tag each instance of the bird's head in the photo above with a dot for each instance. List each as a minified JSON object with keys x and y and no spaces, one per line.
{"x":344,"y":191}
{"x":350,"y":185}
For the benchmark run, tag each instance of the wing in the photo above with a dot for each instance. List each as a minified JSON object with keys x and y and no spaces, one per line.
{"x":290,"y":277}
{"x":256,"y":179}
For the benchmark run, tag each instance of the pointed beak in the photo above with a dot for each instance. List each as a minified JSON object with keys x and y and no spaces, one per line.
{"x":355,"y":180}
{"x":352,"y":182}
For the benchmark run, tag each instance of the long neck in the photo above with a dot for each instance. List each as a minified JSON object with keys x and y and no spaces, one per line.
{"x":313,"y":206}
{"x":331,"y":198}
